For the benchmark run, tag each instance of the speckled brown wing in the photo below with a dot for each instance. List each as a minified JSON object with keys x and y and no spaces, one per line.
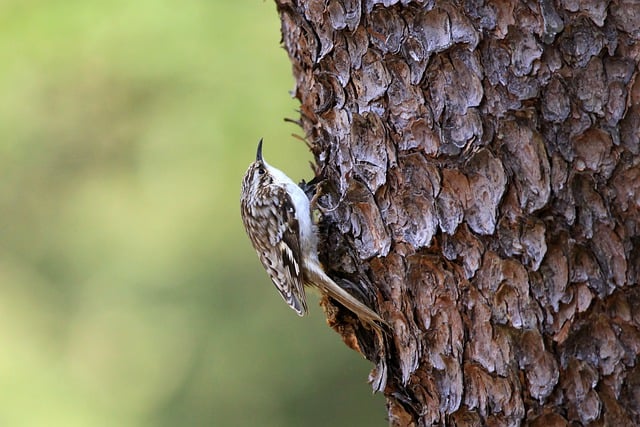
{"x":274,"y":233}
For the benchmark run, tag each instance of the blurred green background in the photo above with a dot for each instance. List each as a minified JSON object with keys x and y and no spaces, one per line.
{"x":129,"y":294}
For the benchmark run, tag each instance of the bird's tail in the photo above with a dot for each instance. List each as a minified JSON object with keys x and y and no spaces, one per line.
{"x":318,"y":278}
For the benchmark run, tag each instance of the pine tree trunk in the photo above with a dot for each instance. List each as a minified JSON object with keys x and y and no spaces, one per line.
{"x":482,"y":189}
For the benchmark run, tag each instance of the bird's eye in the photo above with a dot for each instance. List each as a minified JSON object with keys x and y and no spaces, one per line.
{"x":261,"y":171}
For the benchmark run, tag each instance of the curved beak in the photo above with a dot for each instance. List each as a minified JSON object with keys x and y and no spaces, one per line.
{"x":259,"y":152}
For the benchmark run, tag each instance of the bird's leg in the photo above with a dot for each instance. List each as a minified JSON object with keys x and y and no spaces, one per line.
{"x":311,"y":190}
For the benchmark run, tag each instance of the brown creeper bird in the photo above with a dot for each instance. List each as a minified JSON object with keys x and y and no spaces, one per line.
{"x":277,"y":217}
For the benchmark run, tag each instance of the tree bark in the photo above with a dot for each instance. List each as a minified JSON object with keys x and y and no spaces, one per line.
{"x":481,"y":166}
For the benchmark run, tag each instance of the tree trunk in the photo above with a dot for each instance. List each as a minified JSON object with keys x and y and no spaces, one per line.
{"x":482,"y":188}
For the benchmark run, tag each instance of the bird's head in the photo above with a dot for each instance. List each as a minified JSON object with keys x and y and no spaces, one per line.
{"x":259,"y":172}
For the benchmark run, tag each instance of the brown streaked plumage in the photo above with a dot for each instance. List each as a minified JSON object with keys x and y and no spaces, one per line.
{"x":277,"y":218}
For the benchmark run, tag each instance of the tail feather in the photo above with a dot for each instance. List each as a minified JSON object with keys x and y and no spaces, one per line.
{"x":319,"y":278}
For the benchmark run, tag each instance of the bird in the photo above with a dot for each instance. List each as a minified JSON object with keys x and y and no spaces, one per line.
{"x":277,"y":217}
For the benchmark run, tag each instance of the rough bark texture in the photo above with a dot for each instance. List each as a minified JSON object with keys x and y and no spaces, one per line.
{"x":482,"y":186}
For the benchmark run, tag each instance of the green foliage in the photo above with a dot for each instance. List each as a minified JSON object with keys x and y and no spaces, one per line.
{"x":129,"y":294}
